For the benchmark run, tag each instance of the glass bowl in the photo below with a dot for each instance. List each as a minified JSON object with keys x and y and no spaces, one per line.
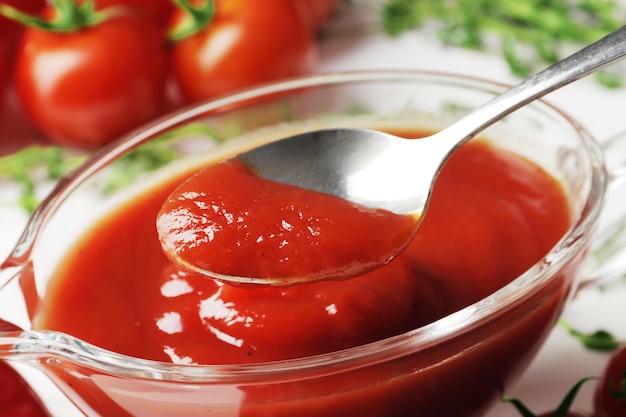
{"x":455,"y":366}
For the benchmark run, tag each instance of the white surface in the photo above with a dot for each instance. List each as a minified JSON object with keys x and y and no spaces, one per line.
{"x":562,"y":361}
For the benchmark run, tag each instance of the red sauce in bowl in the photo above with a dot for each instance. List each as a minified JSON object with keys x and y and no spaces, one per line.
{"x":492,"y":216}
{"x":16,"y":397}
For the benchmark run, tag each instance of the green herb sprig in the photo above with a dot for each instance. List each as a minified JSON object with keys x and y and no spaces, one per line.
{"x":152,"y":155}
{"x":597,"y":340}
{"x":34,"y":164}
{"x":31,"y":166}
{"x":546,"y":26}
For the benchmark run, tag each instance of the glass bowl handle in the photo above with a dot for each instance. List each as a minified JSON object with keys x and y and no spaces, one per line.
{"x":8,"y":330}
{"x":607,"y":259}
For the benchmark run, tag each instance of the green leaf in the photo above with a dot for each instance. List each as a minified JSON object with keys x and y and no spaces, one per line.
{"x":399,"y":16}
{"x":563,"y":408}
{"x":517,"y":66}
{"x":151,"y":156}
{"x":543,"y":25}
{"x":24,"y":166}
{"x":597,"y":340}
{"x":28,"y":200}
{"x":609,"y":80}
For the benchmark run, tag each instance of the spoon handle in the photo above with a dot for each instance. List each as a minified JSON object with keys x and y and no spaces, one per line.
{"x":584,"y":62}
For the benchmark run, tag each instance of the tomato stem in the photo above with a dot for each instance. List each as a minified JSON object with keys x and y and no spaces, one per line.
{"x":563,"y":408}
{"x":69,"y":16}
{"x":196,"y":19}
{"x":567,"y":402}
{"x":618,"y":391}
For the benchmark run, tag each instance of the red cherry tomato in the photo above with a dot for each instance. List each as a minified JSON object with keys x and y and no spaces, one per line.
{"x":610,"y":394}
{"x":16,"y":132}
{"x":316,"y":12}
{"x":86,"y":88}
{"x":11,"y":30}
{"x":4,"y":71}
{"x":16,"y":397}
{"x":244,"y":44}
{"x":159,"y":10}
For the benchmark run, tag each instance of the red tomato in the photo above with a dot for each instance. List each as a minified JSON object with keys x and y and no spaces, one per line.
{"x":316,"y":12}
{"x":88,"y":87}
{"x":11,"y":30}
{"x":610,"y":394}
{"x":16,"y":131}
{"x":160,"y":10}
{"x":4,"y":71}
{"x":244,"y":44}
{"x":16,"y":397}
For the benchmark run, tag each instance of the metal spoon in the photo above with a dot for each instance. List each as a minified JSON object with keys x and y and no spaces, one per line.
{"x":379,"y":170}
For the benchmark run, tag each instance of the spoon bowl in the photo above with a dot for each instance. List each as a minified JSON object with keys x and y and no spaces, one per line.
{"x":381,"y":171}
{"x":368,"y":167}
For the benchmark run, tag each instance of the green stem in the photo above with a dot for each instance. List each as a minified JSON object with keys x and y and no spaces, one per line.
{"x":618,"y":391}
{"x":562,"y":409}
{"x":196,"y":19}
{"x":597,"y":340}
{"x":56,"y":161}
{"x":567,"y":402}
{"x":69,"y":16}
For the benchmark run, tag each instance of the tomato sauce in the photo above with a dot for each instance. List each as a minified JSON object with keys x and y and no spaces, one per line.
{"x":492,"y":215}
{"x":229,"y":221}
{"x":16,"y":397}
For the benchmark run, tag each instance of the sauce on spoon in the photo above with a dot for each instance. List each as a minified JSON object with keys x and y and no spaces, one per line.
{"x":233,"y":223}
